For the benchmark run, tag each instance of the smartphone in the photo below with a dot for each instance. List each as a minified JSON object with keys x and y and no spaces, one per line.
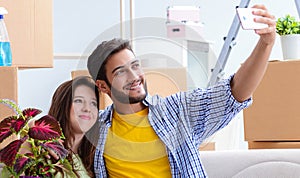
{"x":247,"y":19}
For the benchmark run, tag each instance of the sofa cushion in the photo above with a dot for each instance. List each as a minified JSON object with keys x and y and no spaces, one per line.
{"x":274,"y":163}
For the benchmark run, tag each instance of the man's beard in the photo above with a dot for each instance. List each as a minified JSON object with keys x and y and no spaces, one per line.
{"x":126,"y":99}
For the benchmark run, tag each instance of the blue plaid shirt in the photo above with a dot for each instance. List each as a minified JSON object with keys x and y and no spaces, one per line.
{"x":182,"y":121}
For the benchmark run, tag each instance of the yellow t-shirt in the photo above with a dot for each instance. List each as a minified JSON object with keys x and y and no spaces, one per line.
{"x":133,"y":149}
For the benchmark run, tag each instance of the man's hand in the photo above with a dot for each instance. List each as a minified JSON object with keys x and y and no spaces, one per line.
{"x":268,"y":35}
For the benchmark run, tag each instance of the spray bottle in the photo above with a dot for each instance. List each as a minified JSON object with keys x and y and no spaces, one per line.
{"x":5,"y":50}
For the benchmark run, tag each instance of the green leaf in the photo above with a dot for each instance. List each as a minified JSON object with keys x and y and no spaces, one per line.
{"x":66,"y":167}
{"x":287,"y":25}
{"x":12,"y":105}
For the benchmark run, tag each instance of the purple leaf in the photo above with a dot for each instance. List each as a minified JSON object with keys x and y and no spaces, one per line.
{"x":29,"y":155}
{"x":19,"y":124}
{"x":46,"y":128}
{"x":31,"y":112}
{"x":8,"y":153}
{"x":57,"y":148}
{"x":5,"y":127}
{"x":22,"y":163}
{"x":48,"y":174}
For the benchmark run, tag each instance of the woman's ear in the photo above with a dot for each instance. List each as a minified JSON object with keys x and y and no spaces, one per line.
{"x":103,"y":87}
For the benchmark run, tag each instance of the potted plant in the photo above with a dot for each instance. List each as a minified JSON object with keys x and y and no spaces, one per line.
{"x":28,"y":154}
{"x":289,"y":30}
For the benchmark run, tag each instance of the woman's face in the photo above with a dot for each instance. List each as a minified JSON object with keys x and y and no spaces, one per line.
{"x":84,"y":111}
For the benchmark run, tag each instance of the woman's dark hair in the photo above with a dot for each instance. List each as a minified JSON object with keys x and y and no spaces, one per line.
{"x":60,"y":109}
{"x":98,"y":59}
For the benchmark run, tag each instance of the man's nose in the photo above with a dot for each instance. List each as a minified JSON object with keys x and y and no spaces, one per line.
{"x":133,"y":74}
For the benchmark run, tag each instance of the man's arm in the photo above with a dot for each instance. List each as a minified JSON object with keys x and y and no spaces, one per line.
{"x":252,"y":70}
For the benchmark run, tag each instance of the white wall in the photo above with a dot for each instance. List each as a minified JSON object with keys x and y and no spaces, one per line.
{"x":79,"y":25}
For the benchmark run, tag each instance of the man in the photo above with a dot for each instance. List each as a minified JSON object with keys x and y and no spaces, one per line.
{"x":150,"y":136}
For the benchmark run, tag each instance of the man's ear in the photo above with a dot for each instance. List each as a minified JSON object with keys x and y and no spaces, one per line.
{"x":103,"y":87}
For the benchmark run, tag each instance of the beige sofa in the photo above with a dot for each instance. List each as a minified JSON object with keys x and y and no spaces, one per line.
{"x":264,"y":163}
{"x":260,"y":163}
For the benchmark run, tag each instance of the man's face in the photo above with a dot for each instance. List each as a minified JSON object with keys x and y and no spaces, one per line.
{"x":126,"y":77}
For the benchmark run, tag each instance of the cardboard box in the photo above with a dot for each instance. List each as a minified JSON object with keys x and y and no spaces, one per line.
{"x":29,"y":26}
{"x":183,"y":13}
{"x":166,"y":81}
{"x":272,"y":145}
{"x":189,"y":31}
{"x":210,"y":146}
{"x":8,"y":90}
{"x":275,"y":113}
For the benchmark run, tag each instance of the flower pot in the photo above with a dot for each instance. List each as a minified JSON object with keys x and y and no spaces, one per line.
{"x":290,"y":45}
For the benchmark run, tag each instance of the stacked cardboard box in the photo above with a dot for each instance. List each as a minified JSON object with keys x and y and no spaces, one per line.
{"x":29,"y":26}
{"x":8,"y":90}
{"x":183,"y":22}
{"x":273,"y":121}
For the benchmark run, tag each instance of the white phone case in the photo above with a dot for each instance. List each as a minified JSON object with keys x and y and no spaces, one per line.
{"x":247,"y":19}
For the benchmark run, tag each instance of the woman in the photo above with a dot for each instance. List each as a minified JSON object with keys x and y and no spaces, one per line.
{"x":75,"y":105}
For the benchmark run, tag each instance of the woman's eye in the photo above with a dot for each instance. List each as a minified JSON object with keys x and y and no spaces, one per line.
{"x":78,"y":101}
{"x":94,"y":104}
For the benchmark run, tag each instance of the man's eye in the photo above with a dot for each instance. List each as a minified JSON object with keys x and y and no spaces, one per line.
{"x":136,"y":66}
{"x":119,"y":72}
